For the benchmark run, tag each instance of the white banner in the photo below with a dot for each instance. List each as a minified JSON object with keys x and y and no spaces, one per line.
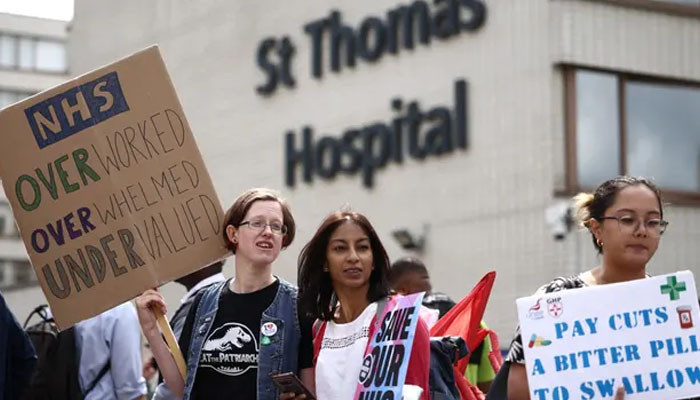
{"x":643,"y":335}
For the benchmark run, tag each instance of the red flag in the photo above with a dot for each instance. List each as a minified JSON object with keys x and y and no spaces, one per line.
{"x":464,"y":319}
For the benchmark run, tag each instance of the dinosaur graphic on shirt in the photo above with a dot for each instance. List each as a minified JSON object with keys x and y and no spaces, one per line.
{"x":231,"y":349}
{"x":234,"y":337}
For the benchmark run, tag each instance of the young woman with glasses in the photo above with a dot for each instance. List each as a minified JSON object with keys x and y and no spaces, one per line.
{"x":343,"y":273}
{"x":239,"y":331}
{"x":625,"y":218}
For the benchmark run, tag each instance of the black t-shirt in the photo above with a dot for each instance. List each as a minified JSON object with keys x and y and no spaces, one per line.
{"x":228,"y":367}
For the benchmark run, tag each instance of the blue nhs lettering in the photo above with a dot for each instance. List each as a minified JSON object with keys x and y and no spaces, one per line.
{"x":76,"y":109}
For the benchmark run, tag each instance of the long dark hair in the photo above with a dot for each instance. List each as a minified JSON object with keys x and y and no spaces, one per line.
{"x":317,"y":298}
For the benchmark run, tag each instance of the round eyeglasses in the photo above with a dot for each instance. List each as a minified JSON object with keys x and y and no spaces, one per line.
{"x":628,"y":224}
{"x":259,"y":225}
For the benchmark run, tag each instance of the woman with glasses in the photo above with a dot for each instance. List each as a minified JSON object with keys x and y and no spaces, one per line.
{"x":625,"y":218}
{"x":239,"y":331}
{"x":343,"y":274}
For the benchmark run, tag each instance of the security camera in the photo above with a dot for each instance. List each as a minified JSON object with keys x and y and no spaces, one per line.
{"x":559,"y":218}
{"x":410,"y":240}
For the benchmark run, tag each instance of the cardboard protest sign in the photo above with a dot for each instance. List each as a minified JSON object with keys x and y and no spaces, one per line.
{"x":643,"y":335}
{"x":385,"y":363}
{"x":108,"y":188}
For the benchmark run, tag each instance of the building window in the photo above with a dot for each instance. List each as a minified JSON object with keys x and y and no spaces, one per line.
{"x":32,"y":54}
{"x":8,"y":53}
{"x":597,"y":127}
{"x":663,"y":134}
{"x":24,"y":276}
{"x":26,"y":53}
{"x":3,"y":275}
{"x":50,"y":56}
{"x":627,"y":124}
{"x":16,"y":274}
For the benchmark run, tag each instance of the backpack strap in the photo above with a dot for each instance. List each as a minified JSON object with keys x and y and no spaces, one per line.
{"x":315,"y":328}
{"x":99,"y":376}
{"x":318,"y":330}
{"x":41,"y":312}
{"x":495,"y":356}
{"x":374,"y":327}
{"x":381,"y":305}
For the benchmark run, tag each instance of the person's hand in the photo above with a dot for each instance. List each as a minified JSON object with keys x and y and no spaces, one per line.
{"x":292,"y":396}
{"x":145,"y":304}
{"x":620,"y":393}
{"x":149,"y":368}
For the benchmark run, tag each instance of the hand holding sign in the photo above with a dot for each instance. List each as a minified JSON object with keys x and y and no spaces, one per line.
{"x":620,"y":393}
{"x":151,"y":310}
{"x":150,"y":302}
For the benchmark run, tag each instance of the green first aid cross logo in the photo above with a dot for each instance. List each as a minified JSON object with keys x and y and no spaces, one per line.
{"x":673,"y":288}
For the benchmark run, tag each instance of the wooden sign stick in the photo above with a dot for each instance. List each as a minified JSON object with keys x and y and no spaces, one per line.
{"x":172,"y":343}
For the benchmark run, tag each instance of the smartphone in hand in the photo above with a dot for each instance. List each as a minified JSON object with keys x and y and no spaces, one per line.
{"x":289,"y":382}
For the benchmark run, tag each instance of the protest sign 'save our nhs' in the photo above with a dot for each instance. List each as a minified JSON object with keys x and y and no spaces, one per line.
{"x":388,"y":352}
{"x":585,"y":343}
{"x":108,"y":187}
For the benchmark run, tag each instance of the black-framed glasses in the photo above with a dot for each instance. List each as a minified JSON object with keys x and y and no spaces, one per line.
{"x":259,"y":225}
{"x":629,"y":224}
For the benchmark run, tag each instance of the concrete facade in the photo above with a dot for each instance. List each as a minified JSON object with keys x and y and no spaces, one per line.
{"x":484,"y":207}
{"x":17,"y":279}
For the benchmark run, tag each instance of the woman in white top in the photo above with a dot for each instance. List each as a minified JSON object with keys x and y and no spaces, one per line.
{"x":343,"y":272}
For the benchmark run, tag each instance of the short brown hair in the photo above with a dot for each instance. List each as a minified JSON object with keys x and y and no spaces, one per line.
{"x":235,"y":214}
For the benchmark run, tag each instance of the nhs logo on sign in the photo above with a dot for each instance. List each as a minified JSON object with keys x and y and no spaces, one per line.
{"x":76,"y":109}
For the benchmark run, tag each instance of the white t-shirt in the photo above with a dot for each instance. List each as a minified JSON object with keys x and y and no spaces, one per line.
{"x":340,"y":359}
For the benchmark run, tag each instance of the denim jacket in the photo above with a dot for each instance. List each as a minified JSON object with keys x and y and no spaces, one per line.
{"x":280,"y":355}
